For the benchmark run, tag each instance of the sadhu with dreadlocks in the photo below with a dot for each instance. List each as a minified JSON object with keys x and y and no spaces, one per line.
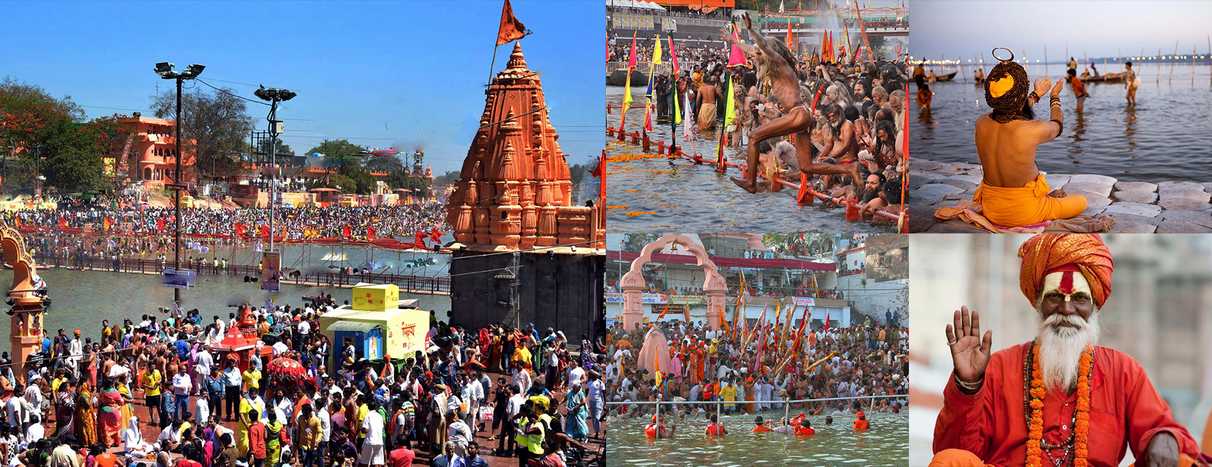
{"x":1014,"y":193}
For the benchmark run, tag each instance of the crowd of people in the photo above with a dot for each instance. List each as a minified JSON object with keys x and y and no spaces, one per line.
{"x":301,"y":223}
{"x":855,"y":120}
{"x":167,"y":390}
{"x":755,"y":370}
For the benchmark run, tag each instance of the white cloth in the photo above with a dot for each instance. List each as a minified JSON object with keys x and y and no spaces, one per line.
{"x":373,"y":424}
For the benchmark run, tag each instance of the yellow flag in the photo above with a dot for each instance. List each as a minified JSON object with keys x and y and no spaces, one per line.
{"x":656,"y":51}
{"x":730,"y":108}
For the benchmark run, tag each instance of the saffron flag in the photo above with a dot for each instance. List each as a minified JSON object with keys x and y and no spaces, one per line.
{"x":826,"y":328}
{"x":790,"y":39}
{"x":511,"y":29}
{"x":420,"y":241}
{"x":663,"y":311}
{"x":370,"y":233}
{"x":106,"y":224}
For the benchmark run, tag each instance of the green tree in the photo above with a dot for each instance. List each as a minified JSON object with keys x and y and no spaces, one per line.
{"x":218,"y":126}
{"x":30,"y":119}
{"x":340,"y":154}
{"x":73,"y":156}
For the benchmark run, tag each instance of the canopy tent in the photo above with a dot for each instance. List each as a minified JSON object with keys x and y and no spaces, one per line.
{"x":637,"y":4}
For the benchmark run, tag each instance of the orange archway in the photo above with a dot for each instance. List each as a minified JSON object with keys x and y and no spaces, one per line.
{"x":633,"y":283}
{"x":27,"y":304}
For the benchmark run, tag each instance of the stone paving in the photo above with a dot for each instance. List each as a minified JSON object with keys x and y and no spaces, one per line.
{"x":1137,"y":207}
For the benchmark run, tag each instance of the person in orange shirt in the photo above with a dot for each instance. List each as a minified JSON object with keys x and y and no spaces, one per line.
{"x":1064,"y":374}
{"x":804,"y":428}
{"x":860,"y":421}
{"x":759,"y":425}
{"x":715,"y":428}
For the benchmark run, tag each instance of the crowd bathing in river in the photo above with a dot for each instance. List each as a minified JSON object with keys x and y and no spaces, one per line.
{"x":161,"y":391}
{"x":755,"y":371}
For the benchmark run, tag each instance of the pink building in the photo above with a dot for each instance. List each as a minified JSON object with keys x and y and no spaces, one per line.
{"x":148,"y":154}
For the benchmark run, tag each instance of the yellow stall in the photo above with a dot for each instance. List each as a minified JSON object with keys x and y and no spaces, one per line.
{"x":378,"y":324}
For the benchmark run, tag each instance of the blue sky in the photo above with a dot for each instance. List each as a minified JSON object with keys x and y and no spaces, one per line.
{"x":378,"y":73}
{"x":970,"y":29}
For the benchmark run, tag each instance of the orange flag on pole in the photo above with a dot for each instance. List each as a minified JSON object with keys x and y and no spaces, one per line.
{"x":790,"y":39}
{"x":511,"y":29}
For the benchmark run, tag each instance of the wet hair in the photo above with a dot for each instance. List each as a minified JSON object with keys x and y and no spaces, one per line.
{"x":1129,"y":64}
{"x":828,"y":419}
{"x":759,"y":420}
{"x":1013,"y":105}
{"x":1072,"y":72}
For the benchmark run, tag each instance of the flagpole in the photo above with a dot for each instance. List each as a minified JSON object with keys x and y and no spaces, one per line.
{"x":492,"y":64}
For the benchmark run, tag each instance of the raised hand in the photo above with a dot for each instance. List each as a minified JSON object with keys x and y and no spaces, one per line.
{"x":969,"y":351}
{"x":1056,"y":88}
{"x":1041,"y":86}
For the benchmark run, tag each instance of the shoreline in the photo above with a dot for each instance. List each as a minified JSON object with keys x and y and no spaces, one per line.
{"x":1137,"y":207}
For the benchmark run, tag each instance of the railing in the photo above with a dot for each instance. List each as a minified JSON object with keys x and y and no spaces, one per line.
{"x":785,"y":402}
{"x":406,"y":283}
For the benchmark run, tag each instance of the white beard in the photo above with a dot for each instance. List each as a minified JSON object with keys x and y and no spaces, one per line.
{"x":1061,"y":348}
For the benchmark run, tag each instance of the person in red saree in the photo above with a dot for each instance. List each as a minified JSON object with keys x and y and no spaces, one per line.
{"x":109,"y":418}
{"x":1061,"y":399}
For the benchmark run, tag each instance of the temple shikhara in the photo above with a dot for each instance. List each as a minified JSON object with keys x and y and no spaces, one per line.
{"x":515,"y":195}
{"x":514,"y":191}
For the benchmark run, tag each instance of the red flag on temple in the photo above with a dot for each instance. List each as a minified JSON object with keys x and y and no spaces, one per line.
{"x":511,"y":29}
{"x":420,"y":241}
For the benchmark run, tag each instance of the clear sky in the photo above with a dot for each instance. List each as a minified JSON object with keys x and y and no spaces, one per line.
{"x":378,"y":73}
{"x":970,"y":29}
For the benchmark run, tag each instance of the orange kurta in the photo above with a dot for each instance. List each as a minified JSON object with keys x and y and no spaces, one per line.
{"x":1125,"y":412}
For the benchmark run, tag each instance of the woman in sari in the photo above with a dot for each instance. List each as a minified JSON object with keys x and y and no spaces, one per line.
{"x":86,"y":416}
{"x":110,"y":417}
{"x":65,"y":408}
{"x":577,"y":425}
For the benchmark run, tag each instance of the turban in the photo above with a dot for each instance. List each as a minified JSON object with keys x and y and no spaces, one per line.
{"x":1050,"y":252}
{"x":1006,"y":90}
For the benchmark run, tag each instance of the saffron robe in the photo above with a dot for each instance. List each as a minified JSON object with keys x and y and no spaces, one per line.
{"x":1125,"y":412}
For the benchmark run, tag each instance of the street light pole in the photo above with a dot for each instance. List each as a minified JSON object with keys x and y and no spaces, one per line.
{"x":273,"y":95}
{"x":177,"y":197}
{"x":165,"y":70}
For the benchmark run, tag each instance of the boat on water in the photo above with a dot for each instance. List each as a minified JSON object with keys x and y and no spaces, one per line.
{"x":946,"y":77}
{"x":1104,"y":78}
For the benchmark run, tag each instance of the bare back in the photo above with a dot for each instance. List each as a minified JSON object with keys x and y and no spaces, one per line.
{"x":1007,"y":150}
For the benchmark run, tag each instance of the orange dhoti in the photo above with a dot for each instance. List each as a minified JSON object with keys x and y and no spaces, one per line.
{"x":1026,"y":205}
{"x":956,"y":458}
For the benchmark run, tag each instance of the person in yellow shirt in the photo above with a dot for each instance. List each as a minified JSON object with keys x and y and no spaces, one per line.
{"x":310,"y":435}
{"x":728,"y":394}
{"x":521,"y":356}
{"x":151,"y":394}
{"x":252,"y":379}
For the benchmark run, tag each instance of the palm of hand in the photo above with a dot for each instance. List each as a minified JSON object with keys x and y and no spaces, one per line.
{"x":969,"y":360}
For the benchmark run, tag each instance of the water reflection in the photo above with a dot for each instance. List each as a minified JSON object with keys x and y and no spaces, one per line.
{"x":1130,"y":127}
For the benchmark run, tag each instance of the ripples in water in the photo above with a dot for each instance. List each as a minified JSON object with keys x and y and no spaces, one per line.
{"x":1166,"y":136}
{"x":886,"y":443}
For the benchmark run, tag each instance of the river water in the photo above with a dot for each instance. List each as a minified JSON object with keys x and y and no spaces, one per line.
{"x":886,"y":443}
{"x":81,"y":299}
{"x":1166,"y":137}
{"x":650,"y":195}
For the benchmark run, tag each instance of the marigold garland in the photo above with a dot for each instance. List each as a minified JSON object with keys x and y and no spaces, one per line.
{"x":1035,"y":426}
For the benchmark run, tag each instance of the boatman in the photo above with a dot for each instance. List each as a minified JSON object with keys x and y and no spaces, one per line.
{"x":1060,"y":399}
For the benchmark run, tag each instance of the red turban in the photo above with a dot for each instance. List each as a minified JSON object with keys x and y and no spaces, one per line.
{"x":1047,"y":252}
